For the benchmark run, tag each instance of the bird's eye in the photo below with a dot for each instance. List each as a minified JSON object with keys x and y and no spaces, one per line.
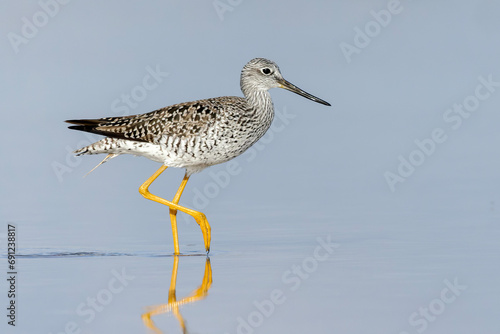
{"x":266,"y":71}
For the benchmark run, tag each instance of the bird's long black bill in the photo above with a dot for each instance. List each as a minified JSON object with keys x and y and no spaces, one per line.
{"x":291,"y":87}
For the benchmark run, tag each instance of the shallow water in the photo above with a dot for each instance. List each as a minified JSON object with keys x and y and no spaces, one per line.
{"x":417,"y":256}
{"x":376,"y":273}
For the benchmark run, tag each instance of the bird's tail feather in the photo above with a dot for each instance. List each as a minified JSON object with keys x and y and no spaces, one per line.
{"x":108,"y":157}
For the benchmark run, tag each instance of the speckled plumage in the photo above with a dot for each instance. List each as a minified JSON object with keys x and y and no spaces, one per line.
{"x":199,"y":134}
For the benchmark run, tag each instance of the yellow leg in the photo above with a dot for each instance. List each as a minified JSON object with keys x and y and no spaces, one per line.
{"x":200,"y":217}
{"x":173,"y":213}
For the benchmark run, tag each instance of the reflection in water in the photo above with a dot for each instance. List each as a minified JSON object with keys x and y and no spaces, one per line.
{"x":174,"y":304}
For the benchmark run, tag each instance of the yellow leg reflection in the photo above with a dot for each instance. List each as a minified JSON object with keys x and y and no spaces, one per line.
{"x":174,"y":304}
{"x":174,"y":206}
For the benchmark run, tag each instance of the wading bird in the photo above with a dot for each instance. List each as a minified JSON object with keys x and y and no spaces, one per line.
{"x":193,"y":135}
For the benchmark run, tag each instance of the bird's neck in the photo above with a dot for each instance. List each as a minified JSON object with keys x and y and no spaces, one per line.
{"x":260,"y":101}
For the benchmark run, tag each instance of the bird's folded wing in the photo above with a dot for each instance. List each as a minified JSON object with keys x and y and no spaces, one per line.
{"x":179,"y":120}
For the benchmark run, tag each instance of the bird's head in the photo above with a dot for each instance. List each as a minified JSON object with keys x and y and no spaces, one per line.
{"x":261,"y":74}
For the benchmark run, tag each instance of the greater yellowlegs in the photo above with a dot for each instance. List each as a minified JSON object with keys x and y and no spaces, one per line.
{"x":194,"y":135}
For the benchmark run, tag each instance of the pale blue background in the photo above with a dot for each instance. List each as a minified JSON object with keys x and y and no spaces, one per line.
{"x":322,"y":174}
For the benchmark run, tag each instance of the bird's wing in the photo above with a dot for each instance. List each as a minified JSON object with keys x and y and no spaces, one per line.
{"x":180,"y":120}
